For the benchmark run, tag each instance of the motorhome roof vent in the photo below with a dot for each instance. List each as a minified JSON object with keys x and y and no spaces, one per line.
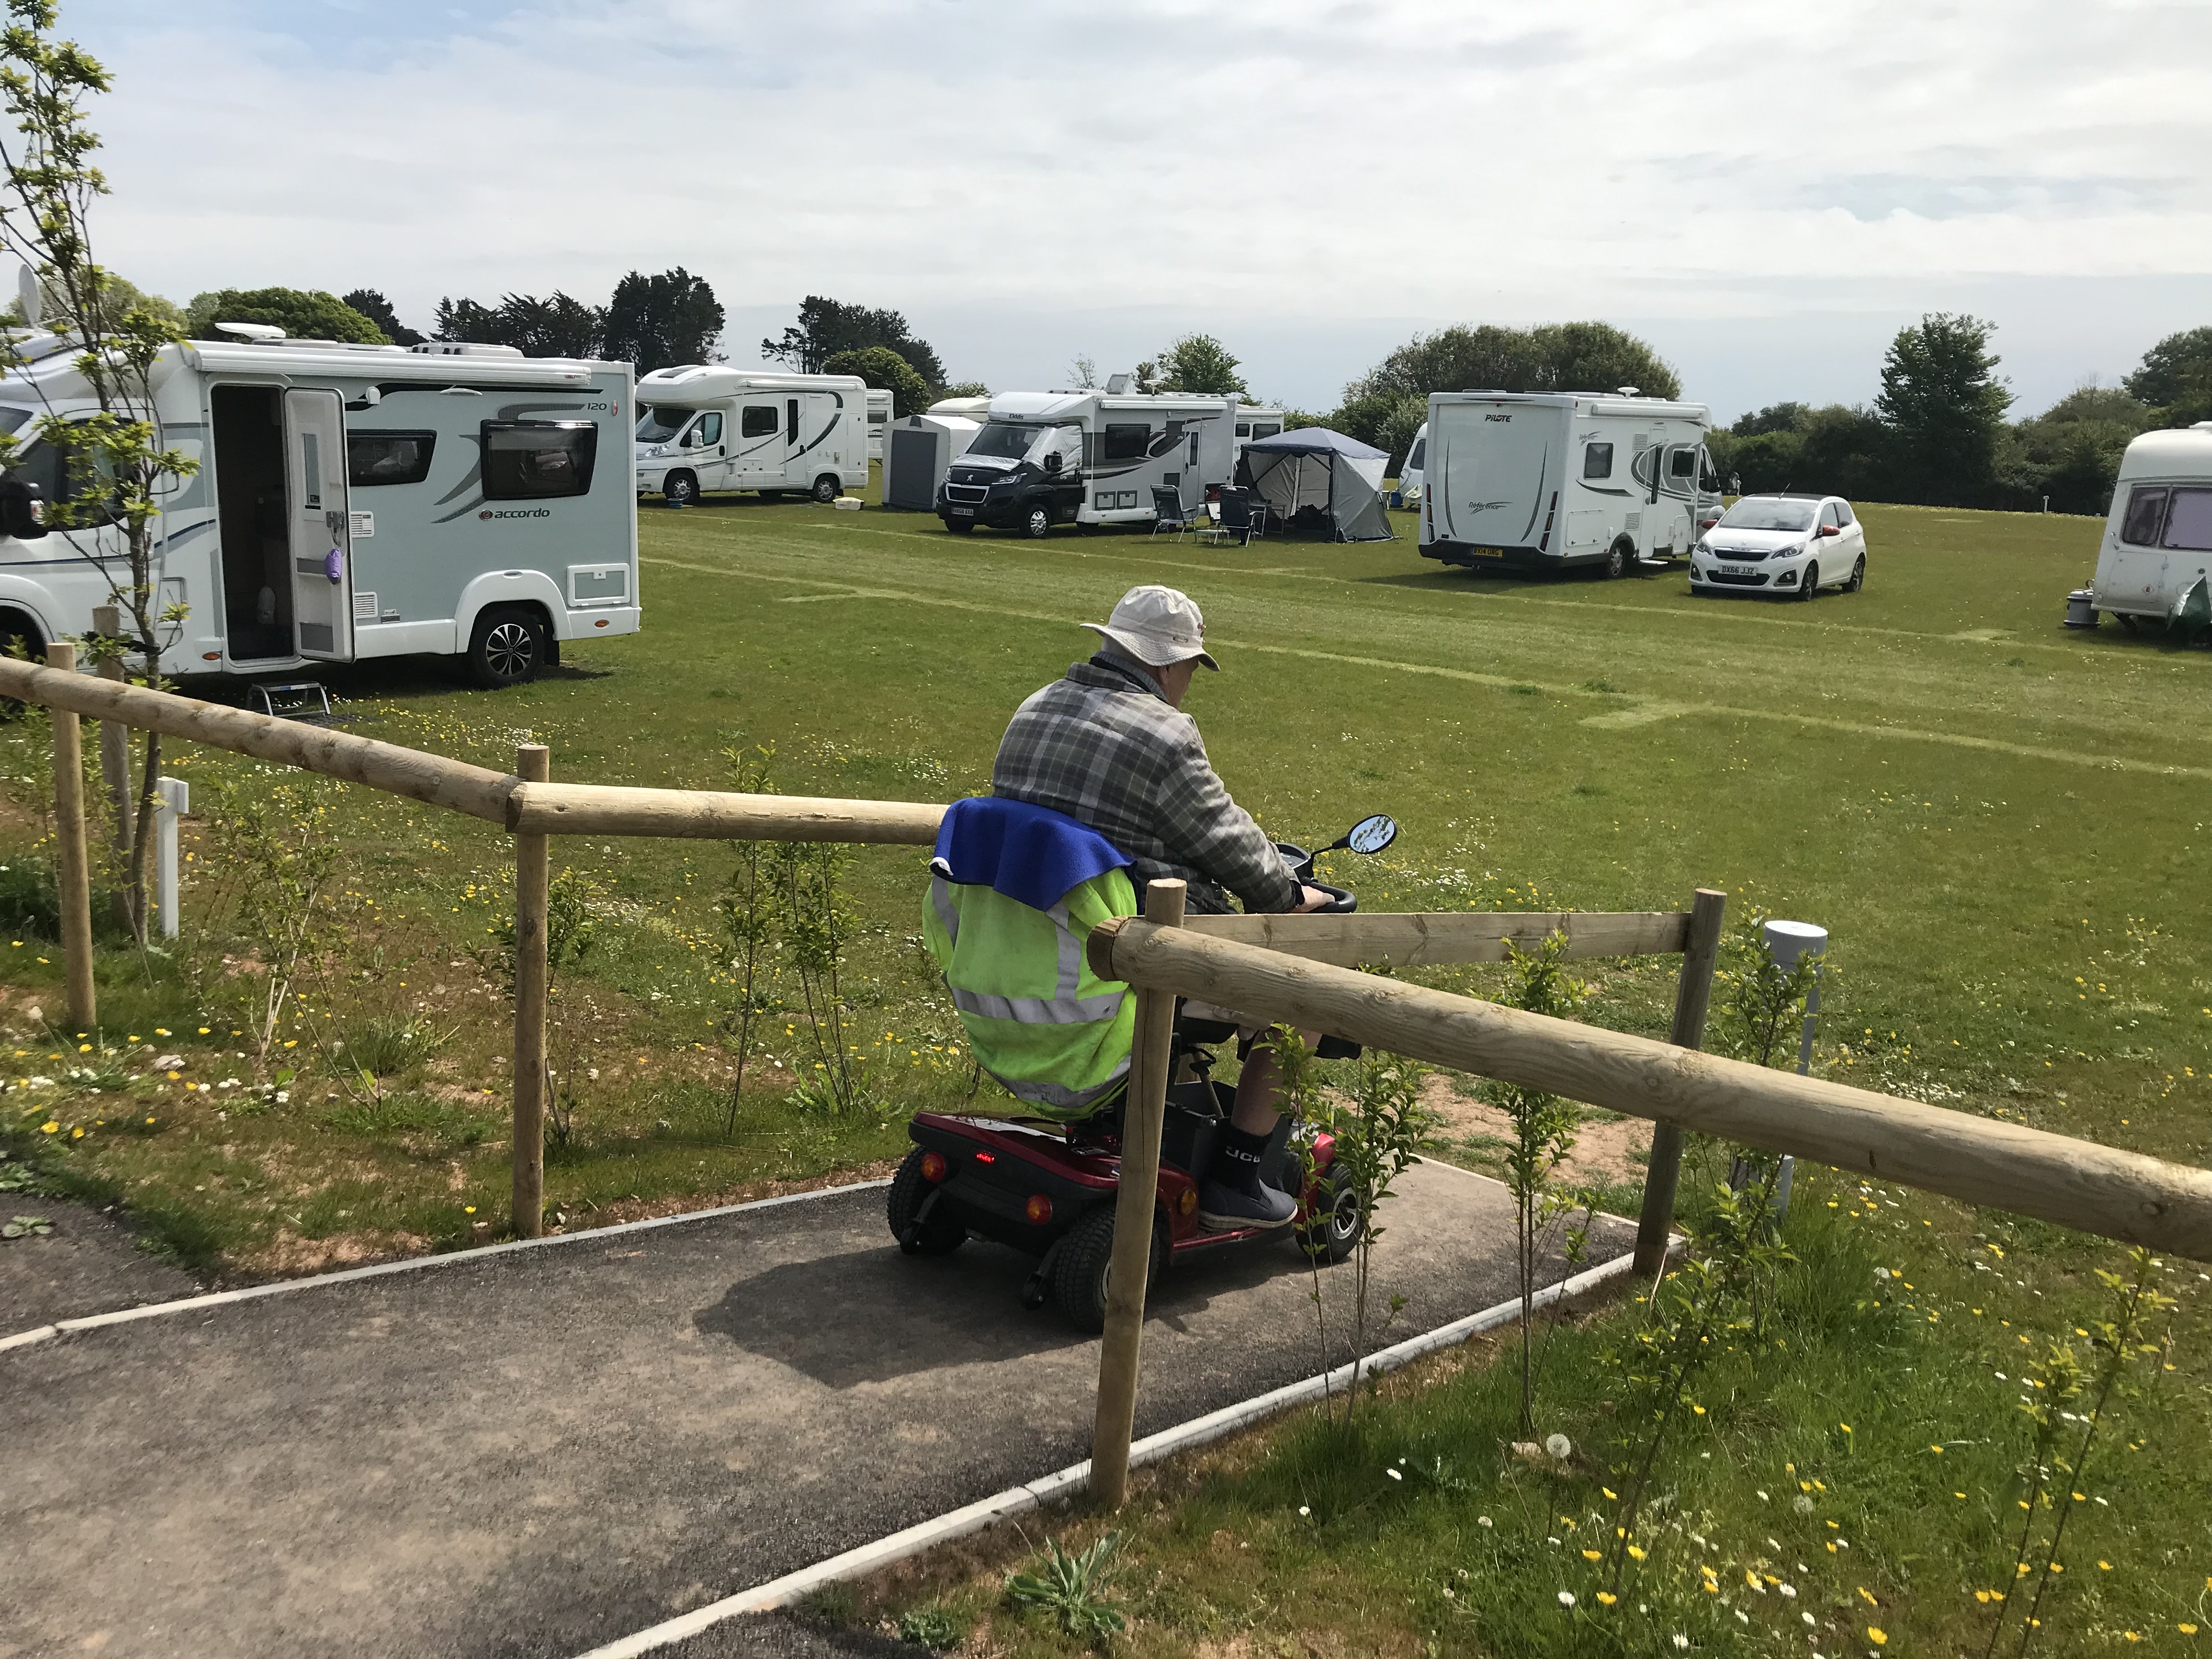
{"x":29,"y":346}
{"x":263,"y":333}
{"x":463,"y":349}
{"x":1116,"y":384}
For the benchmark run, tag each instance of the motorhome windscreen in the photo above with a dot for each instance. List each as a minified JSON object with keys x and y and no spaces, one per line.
{"x":1751,"y":515}
{"x":656,"y":425}
{"x":11,"y":420}
{"x":531,"y":460}
{"x":1005,"y":440}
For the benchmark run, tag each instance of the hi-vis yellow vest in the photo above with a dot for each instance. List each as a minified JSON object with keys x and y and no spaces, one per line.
{"x":1039,"y":1020}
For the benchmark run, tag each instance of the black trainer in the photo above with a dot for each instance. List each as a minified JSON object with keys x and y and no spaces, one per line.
{"x":1223,"y":1208}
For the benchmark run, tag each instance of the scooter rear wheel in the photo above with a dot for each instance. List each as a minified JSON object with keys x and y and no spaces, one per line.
{"x":1086,"y":1255}
{"x":939,"y":1235}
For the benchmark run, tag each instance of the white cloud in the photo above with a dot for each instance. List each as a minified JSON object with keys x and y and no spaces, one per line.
{"x":1316,"y":176}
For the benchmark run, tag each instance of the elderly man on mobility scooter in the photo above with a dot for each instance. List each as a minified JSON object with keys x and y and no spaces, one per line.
{"x":1108,"y":745}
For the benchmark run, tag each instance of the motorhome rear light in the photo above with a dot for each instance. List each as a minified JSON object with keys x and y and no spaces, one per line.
{"x":210,"y":656}
{"x":932,"y":1166}
{"x":602,"y":623}
{"x":1038,"y":1209}
{"x":986,"y":1157}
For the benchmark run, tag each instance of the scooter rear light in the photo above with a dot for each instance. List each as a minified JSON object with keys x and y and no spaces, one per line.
{"x":1038,"y":1209}
{"x":932,"y":1166}
{"x":986,"y":1157}
{"x":1189,"y":1201}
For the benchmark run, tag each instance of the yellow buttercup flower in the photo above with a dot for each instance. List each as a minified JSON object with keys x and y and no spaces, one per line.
{"x":1878,"y":1635}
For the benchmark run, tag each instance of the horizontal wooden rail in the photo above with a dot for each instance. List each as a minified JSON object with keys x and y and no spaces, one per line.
{"x":2075,"y":1183}
{"x":1430,"y":938}
{"x":597,"y":809}
{"x":476,"y":790}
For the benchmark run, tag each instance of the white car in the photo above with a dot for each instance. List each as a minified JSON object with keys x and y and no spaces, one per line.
{"x":1791,"y":545}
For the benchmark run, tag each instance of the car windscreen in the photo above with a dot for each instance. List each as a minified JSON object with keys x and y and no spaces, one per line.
{"x":657,"y":426}
{"x":1769,"y":515}
{"x":1004,"y":439}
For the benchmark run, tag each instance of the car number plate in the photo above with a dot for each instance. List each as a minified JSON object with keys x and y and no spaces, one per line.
{"x":961,"y":512}
{"x":1735,"y":570}
{"x":1487,"y":552}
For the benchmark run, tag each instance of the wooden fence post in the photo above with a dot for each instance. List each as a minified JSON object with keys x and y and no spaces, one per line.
{"x":532,"y":885}
{"x":1145,"y":1111}
{"x":1662,"y":1173}
{"x":71,"y":874}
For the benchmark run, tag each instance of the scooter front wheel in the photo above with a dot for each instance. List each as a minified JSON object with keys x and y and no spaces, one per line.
{"x":1333,"y":1225}
{"x":1086,"y":1257}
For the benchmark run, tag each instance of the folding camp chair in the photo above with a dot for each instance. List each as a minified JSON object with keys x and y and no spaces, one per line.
{"x":1243,"y":514}
{"x":1170,"y":514}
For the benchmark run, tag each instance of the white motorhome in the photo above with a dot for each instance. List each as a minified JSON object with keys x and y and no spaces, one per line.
{"x":706,"y":426}
{"x":1088,"y":456}
{"x":351,"y":502}
{"x":1255,"y":420}
{"x":1408,"y":492}
{"x":1550,"y":481}
{"x":2154,"y":562}
{"x":879,"y":417}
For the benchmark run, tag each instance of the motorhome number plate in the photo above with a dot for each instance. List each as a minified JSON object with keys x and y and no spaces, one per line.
{"x":1487,"y":552}
{"x":963,"y":511}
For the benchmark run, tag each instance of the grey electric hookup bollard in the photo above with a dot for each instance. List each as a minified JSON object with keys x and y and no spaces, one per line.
{"x":1787,"y":943}
{"x":172,"y":800}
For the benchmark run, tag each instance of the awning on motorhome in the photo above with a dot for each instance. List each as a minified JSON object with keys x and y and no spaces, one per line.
{"x":1320,"y":481}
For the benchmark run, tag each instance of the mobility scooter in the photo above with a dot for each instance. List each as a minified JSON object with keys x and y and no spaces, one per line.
{"x":1048,"y":1188}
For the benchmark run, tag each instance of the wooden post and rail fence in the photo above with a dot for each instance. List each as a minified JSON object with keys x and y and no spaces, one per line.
{"x":1299,"y":969}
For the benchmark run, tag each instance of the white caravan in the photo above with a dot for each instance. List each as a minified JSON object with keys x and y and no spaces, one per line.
{"x":1552,"y":480}
{"x":2157,"y":551}
{"x":706,"y":427}
{"x":1408,"y":492}
{"x":918,"y":451}
{"x":351,"y":502}
{"x":1088,"y":456}
{"x":879,"y":417}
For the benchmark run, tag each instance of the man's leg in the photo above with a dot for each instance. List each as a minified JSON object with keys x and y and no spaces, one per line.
{"x":1233,"y":1196}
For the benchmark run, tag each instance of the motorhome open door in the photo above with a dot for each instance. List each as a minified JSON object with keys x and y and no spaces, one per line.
{"x":320,"y":543}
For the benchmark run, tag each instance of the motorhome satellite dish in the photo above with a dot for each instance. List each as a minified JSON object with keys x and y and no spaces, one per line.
{"x":1627,"y":391}
{"x":263,"y":331}
{"x":26,"y":294}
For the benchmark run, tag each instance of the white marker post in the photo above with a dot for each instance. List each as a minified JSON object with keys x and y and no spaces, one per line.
{"x":173,"y":799}
{"x":1786,"y":943}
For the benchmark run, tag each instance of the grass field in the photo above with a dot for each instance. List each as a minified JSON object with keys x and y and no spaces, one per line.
{"x":1999,"y":822}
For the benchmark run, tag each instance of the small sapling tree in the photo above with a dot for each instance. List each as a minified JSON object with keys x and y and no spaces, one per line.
{"x":113,"y":469}
{"x":1378,"y":1131}
{"x":747,"y":910}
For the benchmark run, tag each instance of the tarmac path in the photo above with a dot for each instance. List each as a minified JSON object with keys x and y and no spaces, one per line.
{"x":536,"y":1451}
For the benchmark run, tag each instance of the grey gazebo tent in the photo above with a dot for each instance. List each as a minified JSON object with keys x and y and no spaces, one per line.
{"x":1336,"y":482}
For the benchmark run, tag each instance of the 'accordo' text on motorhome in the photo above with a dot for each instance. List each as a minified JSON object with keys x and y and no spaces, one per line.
{"x":704,"y":427}
{"x":1088,"y":456}
{"x":350,"y":501}
{"x":1550,"y":480}
{"x":2155,"y":561}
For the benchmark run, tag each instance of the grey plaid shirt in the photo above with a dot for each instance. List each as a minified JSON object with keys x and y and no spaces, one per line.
{"x":1104,"y":747}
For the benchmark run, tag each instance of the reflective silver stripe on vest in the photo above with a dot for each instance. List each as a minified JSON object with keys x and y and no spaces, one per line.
{"x":1062,"y":1098}
{"x":1040,"y":1010}
{"x":1071,"y":952}
{"x":948,"y":913}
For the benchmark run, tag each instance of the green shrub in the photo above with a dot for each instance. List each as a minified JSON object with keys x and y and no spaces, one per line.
{"x":30,"y":904}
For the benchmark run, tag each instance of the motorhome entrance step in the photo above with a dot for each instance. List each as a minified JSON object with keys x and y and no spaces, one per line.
{"x":304,"y":701}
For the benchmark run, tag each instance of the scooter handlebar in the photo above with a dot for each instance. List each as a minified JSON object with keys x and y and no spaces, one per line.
{"x":1342,"y":901}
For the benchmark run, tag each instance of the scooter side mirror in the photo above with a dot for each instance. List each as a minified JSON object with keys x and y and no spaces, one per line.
{"x":1372,"y":835}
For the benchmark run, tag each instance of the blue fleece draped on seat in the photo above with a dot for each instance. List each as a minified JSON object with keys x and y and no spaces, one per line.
{"x":1030,"y":854}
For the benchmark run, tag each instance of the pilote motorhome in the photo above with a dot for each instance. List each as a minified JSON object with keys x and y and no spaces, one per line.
{"x":705,"y":427}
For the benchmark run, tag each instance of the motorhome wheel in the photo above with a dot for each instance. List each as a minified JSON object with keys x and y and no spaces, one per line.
{"x":1859,"y":576}
{"x":681,"y":488}
{"x":1809,"y":583}
{"x":827,"y":489}
{"x":508,"y":647}
{"x":1616,"y":560}
{"x":1037,"y":522}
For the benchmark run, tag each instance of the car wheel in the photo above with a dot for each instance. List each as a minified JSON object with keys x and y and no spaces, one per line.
{"x":1859,"y":576}
{"x":1617,"y":560}
{"x":1086,"y":1254}
{"x":1809,"y":583}
{"x":940,"y":1235}
{"x":506,"y":648}
{"x":827,"y":489}
{"x":1036,"y":523}
{"x":681,"y":488}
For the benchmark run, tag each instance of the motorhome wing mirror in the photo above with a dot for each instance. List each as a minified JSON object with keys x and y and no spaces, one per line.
{"x":1372,"y":835}
{"x":1052,"y":462}
{"x":19,"y":510}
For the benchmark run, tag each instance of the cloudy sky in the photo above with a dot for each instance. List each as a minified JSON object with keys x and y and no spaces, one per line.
{"x":1766,"y":193}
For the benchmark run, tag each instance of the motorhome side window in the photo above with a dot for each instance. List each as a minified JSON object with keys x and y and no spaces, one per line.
{"x":1682,"y":464}
{"x":1420,"y":453}
{"x":1597,"y":461}
{"x":531,"y":460}
{"x":388,"y":458}
{"x":2146,"y":512}
{"x":2189,"y":521}
{"x":1124,"y":442}
{"x":709,"y":430}
{"x":1264,"y":429}
{"x":759,"y":421}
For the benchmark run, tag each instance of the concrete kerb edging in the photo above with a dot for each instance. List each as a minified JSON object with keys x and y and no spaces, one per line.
{"x":415,"y":1264}
{"x":1067,"y":1482}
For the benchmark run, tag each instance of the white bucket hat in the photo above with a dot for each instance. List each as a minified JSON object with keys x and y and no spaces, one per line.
{"x":1157,"y":626}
